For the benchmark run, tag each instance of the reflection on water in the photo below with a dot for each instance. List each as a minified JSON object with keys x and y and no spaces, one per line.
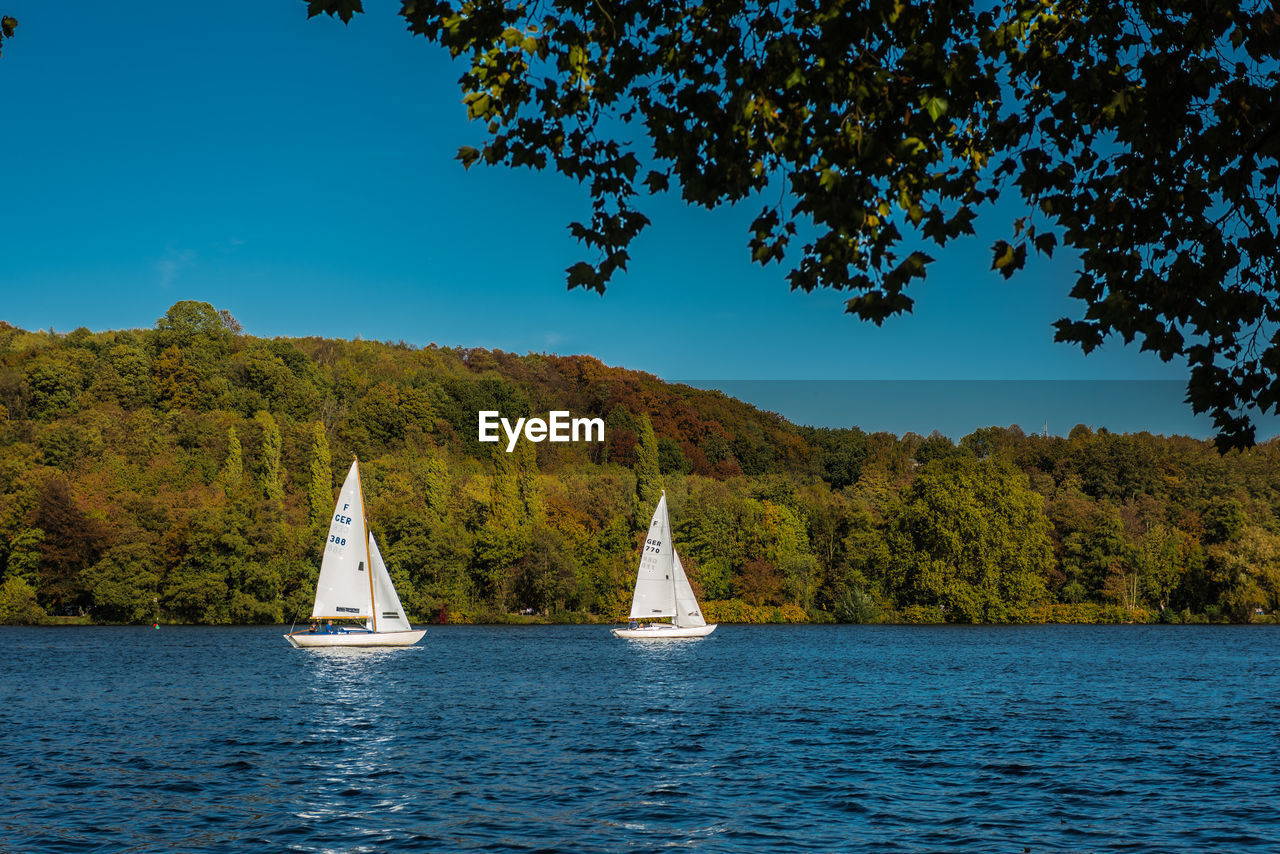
{"x":349,"y":713}
{"x":566,"y":739}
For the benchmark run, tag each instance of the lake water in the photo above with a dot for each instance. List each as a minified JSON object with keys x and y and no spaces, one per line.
{"x":840,"y":738}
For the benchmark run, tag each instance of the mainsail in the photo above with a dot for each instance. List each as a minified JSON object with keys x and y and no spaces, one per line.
{"x":343,"y":589}
{"x":655,"y":593}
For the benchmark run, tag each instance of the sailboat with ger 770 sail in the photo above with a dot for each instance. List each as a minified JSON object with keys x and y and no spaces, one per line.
{"x":354,"y":586}
{"x":662,"y":589}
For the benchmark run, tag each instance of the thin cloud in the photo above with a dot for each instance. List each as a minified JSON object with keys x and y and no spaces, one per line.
{"x":172,"y":264}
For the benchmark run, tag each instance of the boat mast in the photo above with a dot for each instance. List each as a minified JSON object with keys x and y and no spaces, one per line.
{"x":671,"y":570}
{"x":368,"y":564}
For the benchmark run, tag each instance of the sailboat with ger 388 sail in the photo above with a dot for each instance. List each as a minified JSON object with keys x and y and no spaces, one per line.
{"x":354,"y":586}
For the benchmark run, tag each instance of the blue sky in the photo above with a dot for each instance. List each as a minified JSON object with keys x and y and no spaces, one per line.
{"x":300,"y":174}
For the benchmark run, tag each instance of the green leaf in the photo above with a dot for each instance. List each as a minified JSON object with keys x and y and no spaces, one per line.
{"x":656,"y":181}
{"x":936,"y":107}
{"x":343,"y":9}
{"x":1045,"y":244}
{"x":583,"y":275}
{"x":1008,"y":258}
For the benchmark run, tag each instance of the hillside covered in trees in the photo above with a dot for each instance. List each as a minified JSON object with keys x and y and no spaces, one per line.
{"x":187,"y":472}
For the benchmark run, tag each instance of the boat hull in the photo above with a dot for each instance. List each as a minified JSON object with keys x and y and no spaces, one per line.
{"x":310,"y":640}
{"x":664,"y":632}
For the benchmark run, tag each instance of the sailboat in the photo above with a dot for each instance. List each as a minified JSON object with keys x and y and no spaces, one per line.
{"x":662,"y":588}
{"x":354,"y":585}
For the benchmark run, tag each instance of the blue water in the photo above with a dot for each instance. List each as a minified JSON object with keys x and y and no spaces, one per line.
{"x":1120,"y":738}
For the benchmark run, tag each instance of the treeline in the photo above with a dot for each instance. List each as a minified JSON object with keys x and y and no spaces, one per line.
{"x":187,"y":473}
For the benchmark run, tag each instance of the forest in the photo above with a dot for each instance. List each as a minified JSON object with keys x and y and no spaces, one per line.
{"x":186,"y":473}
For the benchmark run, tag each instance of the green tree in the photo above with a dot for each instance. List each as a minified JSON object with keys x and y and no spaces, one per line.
{"x":671,"y":459}
{"x":274,"y":375}
{"x":125,"y":375}
{"x":529,"y":481}
{"x":124,"y":583}
{"x":1137,"y":134}
{"x":503,"y":535}
{"x":54,"y":383}
{"x":844,"y":452}
{"x":1163,"y":560}
{"x":855,"y":606}
{"x":269,"y":458}
{"x":18,"y":605}
{"x":231,"y":476}
{"x":1247,"y":573}
{"x":648,"y":472}
{"x":321,"y":490}
{"x":189,"y":321}
{"x":1093,"y":553}
{"x":24,"y":555}
{"x":177,"y":383}
{"x":972,"y":539}
{"x":1223,"y":520}
{"x":544,"y":574}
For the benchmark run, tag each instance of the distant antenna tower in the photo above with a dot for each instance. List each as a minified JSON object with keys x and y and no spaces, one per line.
{"x":1046,"y":430}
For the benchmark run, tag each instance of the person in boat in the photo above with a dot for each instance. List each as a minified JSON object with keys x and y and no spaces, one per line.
{"x":635,"y":624}
{"x":328,"y":627}
{"x":313,"y":627}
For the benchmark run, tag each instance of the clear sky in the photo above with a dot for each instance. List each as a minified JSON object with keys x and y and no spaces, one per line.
{"x":301,"y":174}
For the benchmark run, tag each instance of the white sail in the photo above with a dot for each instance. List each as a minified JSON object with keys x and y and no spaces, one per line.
{"x":687,"y":611}
{"x":343,"y":588}
{"x":655,"y":593}
{"x":390,"y":614}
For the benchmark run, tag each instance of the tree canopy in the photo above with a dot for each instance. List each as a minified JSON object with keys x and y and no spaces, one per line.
{"x":186,"y":473}
{"x":1141,"y":135}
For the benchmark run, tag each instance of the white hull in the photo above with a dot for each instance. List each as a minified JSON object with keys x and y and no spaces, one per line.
{"x":319,"y":639}
{"x":659,"y":631}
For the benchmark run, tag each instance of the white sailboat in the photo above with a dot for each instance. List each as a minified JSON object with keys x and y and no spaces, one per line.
{"x":354,"y":585}
{"x":662,"y":588}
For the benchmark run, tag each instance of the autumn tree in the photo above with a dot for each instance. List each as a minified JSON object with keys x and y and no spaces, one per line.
{"x":72,"y":542}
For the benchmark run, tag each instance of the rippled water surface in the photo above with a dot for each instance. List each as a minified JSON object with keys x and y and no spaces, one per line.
{"x":564,"y":739}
